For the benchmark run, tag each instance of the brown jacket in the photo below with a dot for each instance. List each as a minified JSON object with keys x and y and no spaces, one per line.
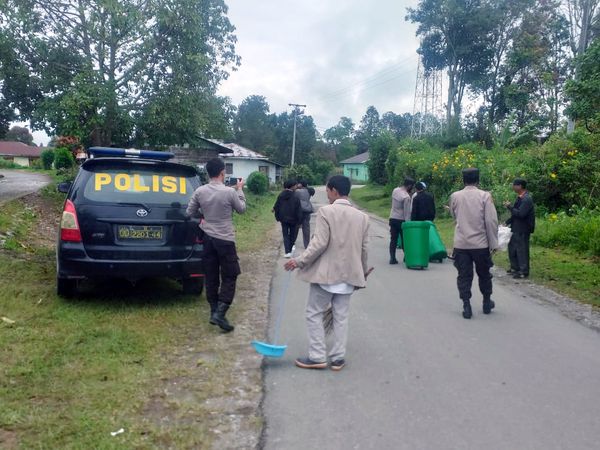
{"x":476,"y":219}
{"x":338,"y":250}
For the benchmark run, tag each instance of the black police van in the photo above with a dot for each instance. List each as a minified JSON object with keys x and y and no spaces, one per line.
{"x":124,"y":217}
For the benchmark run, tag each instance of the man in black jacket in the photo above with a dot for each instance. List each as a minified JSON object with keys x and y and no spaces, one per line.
{"x":288,"y":211}
{"x":423,"y":206}
{"x":522,"y":223}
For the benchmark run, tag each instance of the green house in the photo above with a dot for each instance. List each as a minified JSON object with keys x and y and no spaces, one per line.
{"x":356,"y":169}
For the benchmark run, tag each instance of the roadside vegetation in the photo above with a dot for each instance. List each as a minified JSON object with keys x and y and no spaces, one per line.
{"x":73,"y":371}
{"x":554,"y":263}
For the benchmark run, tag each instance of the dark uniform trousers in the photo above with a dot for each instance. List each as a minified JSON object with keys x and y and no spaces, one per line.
{"x":221,"y":269}
{"x":395,"y":231}
{"x":463,"y":261}
{"x":518,"y":252}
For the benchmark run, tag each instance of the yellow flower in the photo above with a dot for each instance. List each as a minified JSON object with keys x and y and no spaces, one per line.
{"x":553,"y":217}
{"x":553,"y":175}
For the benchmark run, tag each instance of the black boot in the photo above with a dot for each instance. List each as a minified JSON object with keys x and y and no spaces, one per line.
{"x":467,"y":313}
{"x":488,"y":305}
{"x":213,"y":310}
{"x":218,"y":318}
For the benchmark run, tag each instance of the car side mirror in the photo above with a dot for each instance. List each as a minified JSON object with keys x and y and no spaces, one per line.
{"x":64,"y":187}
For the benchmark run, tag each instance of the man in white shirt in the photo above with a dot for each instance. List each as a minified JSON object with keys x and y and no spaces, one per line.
{"x":335,"y":264}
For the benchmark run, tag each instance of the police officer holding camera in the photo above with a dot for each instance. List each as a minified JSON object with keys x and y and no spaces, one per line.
{"x":215,"y":203}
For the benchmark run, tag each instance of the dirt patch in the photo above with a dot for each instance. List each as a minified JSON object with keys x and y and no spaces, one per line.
{"x":47,"y":221}
{"x":8,"y":439}
{"x":227,"y":408}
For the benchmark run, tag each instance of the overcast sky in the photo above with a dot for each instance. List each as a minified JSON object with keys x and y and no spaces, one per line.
{"x":338,"y":57}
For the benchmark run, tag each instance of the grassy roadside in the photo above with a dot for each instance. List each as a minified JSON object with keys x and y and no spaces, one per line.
{"x":563,"y":270}
{"x":73,"y":371}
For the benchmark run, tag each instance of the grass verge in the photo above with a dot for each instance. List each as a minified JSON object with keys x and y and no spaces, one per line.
{"x":563,"y":270}
{"x":72,"y":372}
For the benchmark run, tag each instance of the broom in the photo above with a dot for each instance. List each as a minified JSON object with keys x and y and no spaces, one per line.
{"x":328,"y":314}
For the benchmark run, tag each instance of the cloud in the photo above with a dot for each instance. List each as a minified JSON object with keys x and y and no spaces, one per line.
{"x":337,"y":57}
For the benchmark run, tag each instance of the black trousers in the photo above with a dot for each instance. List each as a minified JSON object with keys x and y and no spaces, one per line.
{"x":518,"y":252}
{"x":290,"y":233}
{"x":221,"y":269}
{"x":395,"y":231}
{"x":464,"y":261}
{"x":306,"y":229}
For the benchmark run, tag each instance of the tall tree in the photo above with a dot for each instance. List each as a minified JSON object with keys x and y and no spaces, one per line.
{"x":397,"y":124}
{"x":368,"y":130}
{"x":455,"y":35}
{"x":100,"y":69}
{"x":19,"y":134}
{"x":253,"y":124}
{"x":584,"y":93}
{"x":340,"y":138}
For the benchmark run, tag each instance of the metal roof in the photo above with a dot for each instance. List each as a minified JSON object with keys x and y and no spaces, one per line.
{"x":358,"y":159}
{"x":15,"y":148}
{"x":244,"y":153}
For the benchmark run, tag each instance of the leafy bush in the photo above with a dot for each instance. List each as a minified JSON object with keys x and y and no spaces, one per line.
{"x":580,"y":230}
{"x":300,"y":172}
{"x":258,"y":183}
{"x":321,"y":170}
{"x":47,"y":158}
{"x":63,"y":159}
{"x":5,"y":164}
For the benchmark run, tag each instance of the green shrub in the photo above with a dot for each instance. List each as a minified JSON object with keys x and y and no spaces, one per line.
{"x":47,"y":158}
{"x":300,"y":172}
{"x":258,"y":183}
{"x":579,"y":230}
{"x":5,"y":164}
{"x":63,"y":159}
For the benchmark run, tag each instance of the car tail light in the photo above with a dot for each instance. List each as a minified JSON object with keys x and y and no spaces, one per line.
{"x":69,"y":225}
{"x":196,"y":275}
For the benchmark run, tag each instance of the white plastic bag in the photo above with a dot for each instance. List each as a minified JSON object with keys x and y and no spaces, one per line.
{"x":504,"y":235}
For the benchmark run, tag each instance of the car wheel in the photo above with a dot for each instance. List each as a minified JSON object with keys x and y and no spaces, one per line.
{"x":192,"y":285}
{"x":66,"y":288}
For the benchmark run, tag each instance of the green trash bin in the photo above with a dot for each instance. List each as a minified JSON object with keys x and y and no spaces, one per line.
{"x":416,"y":244}
{"x":437,"y":249}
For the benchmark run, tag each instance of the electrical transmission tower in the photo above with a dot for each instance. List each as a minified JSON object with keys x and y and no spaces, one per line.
{"x":428,"y":109}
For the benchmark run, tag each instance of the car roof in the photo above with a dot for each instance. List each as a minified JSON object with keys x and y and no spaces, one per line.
{"x":124,"y":161}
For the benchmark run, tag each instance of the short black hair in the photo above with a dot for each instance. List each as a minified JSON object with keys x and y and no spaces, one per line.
{"x":420,"y":186}
{"x":214,"y":167}
{"x":304,"y":183}
{"x":408,"y":182}
{"x":470,"y":175}
{"x":288,"y":184}
{"x":520,"y":182}
{"x":340,"y":183}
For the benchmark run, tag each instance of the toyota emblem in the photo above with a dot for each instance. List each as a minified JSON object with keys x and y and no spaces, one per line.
{"x":141,"y":213}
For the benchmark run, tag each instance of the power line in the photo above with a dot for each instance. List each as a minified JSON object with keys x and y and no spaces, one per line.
{"x":371,"y":79}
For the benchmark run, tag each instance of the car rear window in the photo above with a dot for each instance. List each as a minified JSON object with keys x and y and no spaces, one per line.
{"x":140,"y":184}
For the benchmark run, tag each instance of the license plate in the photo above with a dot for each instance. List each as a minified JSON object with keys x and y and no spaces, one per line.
{"x":140,"y":232}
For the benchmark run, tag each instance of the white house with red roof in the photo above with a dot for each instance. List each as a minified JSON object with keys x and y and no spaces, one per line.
{"x":242,"y":161}
{"x":19,"y":153}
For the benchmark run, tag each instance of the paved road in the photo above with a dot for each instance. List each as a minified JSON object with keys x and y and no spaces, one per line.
{"x":419,"y":376}
{"x":16,"y":183}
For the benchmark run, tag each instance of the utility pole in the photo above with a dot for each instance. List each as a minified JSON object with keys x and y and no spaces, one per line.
{"x":296,"y":112}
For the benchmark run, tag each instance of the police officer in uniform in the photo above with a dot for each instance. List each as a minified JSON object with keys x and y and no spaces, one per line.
{"x":215,"y":203}
{"x":475,"y":239}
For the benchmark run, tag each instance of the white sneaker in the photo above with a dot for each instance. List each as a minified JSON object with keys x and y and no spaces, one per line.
{"x":288,"y":255}
{"x":293,"y":248}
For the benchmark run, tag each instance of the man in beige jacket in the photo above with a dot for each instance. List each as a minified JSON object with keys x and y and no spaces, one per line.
{"x":475,"y":239}
{"x":335,"y":264}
